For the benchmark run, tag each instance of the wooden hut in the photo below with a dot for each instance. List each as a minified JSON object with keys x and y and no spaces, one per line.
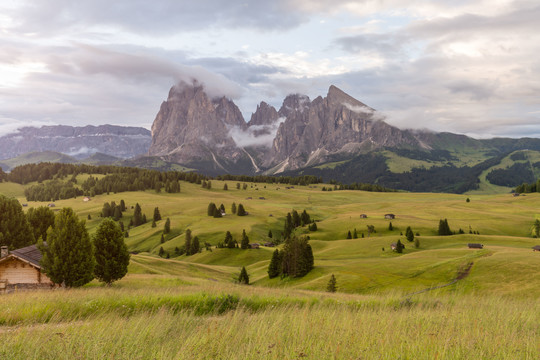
{"x":20,"y":270}
{"x":475,"y":246}
{"x":536,"y":248}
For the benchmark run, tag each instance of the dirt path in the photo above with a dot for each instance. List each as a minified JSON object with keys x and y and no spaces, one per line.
{"x":462,"y":274}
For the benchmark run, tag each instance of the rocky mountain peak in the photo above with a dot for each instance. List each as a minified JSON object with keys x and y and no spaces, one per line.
{"x":337,"y":96}
{"x":264,"y":115}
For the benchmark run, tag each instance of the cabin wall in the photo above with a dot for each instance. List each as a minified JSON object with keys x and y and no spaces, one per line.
{"x":18,"y":272}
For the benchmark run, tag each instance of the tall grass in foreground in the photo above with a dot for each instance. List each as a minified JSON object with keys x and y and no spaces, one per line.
{"x":210,"y":322}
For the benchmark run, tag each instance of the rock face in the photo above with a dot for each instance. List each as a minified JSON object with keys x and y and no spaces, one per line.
{"x":80,"y":142}
{"x":191,"y":128}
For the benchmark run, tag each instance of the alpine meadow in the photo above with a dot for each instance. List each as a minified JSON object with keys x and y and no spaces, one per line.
{"x":438,"y":298}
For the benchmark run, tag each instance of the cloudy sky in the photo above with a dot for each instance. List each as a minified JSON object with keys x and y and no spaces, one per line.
{"x":465,"y":66}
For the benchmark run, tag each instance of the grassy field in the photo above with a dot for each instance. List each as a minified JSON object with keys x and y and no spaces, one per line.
{"x":191,"y":307}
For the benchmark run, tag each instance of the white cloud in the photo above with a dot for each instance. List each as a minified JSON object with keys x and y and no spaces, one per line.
{"x":255,"y":135}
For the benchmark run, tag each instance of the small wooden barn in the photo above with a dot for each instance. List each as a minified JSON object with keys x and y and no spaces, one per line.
{"x":390,"y":216}
{"x":536,"y":248}
{"x":475,"y":246}
{"x":20,"y":270}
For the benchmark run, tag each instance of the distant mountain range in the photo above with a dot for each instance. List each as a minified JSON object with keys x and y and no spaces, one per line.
{"x":335,"y":137}
{"x":79,"y":142}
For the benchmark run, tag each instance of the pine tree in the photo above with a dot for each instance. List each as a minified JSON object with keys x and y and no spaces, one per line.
{"x":187,"y":243}
{"x":211,"y":209}
{"x":122,"y":206}
{"x":296,"y":257}
{"x":390,"y":227}
{"x":536,"y":227}
{"x":399,"y":247}
{"x":355,"y":234}
{"x":162,"y":240}
{"x":244,"y":244}
{"x":243,"y":278}
{"x":217,"y":213}
{"x":275,"y":265}
{"x":195,"y":246}
{"x":409,"y":234}
{"x":222,"y":208}
{"x":349,"y":235}
{"x":144,"y":219}
{"x":154,"y":223}
{"x":117,"y":214}
{"x":241,"y":211}
{"x":270,"y":234}
{"x":444,"y":229}
{"x":110,"y":252}
{"x":331,"y":287}
{"x":228,"y":239}
{"x":157,"y":215}
{"x":106,"y":211}
{"x":233,"y":208}
{"x":161,"y":251}
{"x":167,"y":226}
{"x":137,"y":216}
{"x":68,"y":257}
{"x":40,"y":219}
{"x":14,"y":225}
{"x":225,"y":187}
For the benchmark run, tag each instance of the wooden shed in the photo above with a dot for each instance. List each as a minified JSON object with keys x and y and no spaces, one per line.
{"x":20,"y":270}
{"x":536,"y":248}
{"x":389,"y":216}
{"x":475,"y":246}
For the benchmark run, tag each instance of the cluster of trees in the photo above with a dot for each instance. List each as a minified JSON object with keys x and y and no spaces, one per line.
{"x":191,"y":244}
{"x":231,"y":243}
{"x":444,"y":229}
{"x":295,"y":260}
{"x":291,"y":180}
{"x":354,"y":233}
{"x":358,"y":186}
{"x":294,"y":220}
{"x":112,"y":210}
{"x":206,"y":184}
{"x":70,"y":257}
{"x":138,"y":217}
{"x":528,"y":188}
{"x":52,"y":190}
{"x":518,"y":173}
{"x":215,"y":211}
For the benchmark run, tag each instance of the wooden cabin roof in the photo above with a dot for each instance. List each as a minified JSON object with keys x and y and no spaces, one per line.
{"x":29,"y":254}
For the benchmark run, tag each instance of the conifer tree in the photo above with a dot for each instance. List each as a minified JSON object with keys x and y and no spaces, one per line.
{"x":409,"y":234}
{"x":122,"y":206}
{"x":154,"y":223}
{"x":225,"y":187}
{"x":349,"y":235}
{"x":217,"y":213}
{"x":228,"y":239}
{"x":331,"y":287}
{"x":275,"y":265}
{"x":68,"y":257}
{"x":211,"y":209}
{"x":161,"y":251}
{"x":195,"y":246}
{"x":399,"y":247}
{"x":106,"y":211}
{"x":233,"y":208}
{"x":243,"y":278}
{"x":187,"y":243}
{"x":157,"y":215}
{"x":162,"y":240}
{"x":110,"y":252}
{"x":117,"y":214}
{"x":390,"y":227}
{"x":137,"y":215}
{"x":167,"y":226}
{"x":144,"y":219}
{"x":244,"y":244}
{"x":14,"y":225}
{"x":355,"y":234}
{"x":40,"y":219}
{"x":241,"y":211}
{"x":270,"y":234}
{"x":222,"y":208}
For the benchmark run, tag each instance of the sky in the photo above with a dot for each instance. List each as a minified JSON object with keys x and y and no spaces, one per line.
{"x":463,"y":66}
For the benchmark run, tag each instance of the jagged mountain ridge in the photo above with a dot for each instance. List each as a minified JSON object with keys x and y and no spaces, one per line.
{"x":79,"y":142}
{"x":196,"y":131}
